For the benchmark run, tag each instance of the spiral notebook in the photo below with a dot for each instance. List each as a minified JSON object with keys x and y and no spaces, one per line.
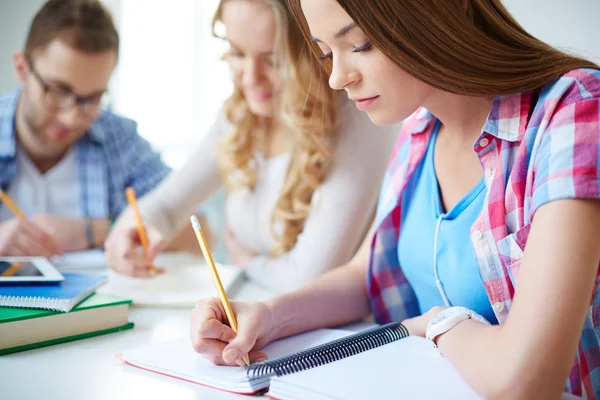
{"x":321,"y":364}
{"x":61,"y":297}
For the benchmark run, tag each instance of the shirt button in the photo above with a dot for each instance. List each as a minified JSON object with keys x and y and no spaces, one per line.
{"x":484,"y":142}
{"x":477,"y":235}
{"x":488,"y":173}
{"x":498,"y":307}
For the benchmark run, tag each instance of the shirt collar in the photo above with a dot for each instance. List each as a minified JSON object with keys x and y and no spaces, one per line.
{"x":509,"y":116}
{"x":96,"y":132}
{"x":422,"y":119}
{"x":507,"y":119}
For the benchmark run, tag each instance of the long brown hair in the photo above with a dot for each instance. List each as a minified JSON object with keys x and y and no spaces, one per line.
{"x":466,"y":47}
{"x":307,"y":110}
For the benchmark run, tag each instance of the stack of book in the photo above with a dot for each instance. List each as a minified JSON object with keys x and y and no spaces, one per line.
{"x":34,"y":316}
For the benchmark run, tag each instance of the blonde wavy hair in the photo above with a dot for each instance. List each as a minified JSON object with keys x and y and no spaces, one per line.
{"x":307,"y":109}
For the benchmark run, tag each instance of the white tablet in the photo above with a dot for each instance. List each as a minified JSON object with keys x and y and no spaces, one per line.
{"x":21,"y":270}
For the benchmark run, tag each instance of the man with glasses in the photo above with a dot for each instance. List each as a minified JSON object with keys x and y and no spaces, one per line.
{"x":63,"y":159}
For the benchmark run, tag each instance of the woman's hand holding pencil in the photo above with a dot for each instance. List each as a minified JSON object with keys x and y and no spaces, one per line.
{"x":215,"y":330}
{"x":215,"y":340}
{"x":123,"y":251}
{"x":123,"y":245}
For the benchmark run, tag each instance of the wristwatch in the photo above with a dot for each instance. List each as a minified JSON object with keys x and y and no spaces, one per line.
{"x":448,"y":319}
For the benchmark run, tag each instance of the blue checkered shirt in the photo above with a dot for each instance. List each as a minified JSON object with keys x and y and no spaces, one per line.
{"x":110,"y":157}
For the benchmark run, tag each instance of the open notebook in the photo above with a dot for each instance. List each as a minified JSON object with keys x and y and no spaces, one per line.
{"x":186,"y":279}
{"x":322,"y":364}
{"x":96,"y":259}
{"x":177,"y":287}
{"x":88,"y":259}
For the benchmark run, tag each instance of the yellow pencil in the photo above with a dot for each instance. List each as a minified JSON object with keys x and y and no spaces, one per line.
{"x":215,"y":277}
{"x":132,"y":200}
{"x":11,"y":205}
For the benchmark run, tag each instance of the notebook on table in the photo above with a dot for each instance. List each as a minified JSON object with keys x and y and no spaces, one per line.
{"x":23,"y":329}
{"x":96,"y":259}
{"x":87,"y":259}
{"x":186,"y":280}
{"x":58,"y":297}
{"x":178,"y":287}
{"x":321,"y":364}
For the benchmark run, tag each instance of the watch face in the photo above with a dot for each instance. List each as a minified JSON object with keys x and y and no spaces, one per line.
{"x":439,"y":318}
{"x":450,"y":313}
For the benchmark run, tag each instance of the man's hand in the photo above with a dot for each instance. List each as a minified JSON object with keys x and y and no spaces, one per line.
{"x":69,"y":233}
{"x":21,"y":237}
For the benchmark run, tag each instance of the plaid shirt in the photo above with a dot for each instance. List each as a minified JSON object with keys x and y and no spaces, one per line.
{"x":110,"y":157}
{"x":535,"y":147}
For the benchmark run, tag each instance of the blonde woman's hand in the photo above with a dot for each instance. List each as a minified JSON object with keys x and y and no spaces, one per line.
{"x":124,"y":253}
{"x":215,"y":340}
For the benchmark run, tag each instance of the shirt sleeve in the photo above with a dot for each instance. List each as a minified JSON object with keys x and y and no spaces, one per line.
{"x":141,"y":166}
{"x":343,"y":207}
{"x":566,"y":163}
{"x":170,"y":204}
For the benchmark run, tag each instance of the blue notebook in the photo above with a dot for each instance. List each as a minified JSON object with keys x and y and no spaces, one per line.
{"x":57,"y":297}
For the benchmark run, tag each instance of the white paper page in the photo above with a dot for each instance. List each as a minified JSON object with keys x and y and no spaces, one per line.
{"x":177,"y":287}
{"x":176,"y":358}
{"x":408,"y":368}
{"x":96,"y":259}
{"x":90,"y":259}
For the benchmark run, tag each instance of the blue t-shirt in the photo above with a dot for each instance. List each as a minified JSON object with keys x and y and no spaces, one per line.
{"x":456,"y":264}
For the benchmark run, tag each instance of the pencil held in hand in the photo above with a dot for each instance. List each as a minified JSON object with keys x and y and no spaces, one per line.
{"x":215,"y":277}
{"x":11,"y":205}
{"x":132,"y":200}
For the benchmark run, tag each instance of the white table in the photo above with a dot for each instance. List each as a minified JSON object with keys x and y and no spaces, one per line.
{"x":88,"y":369}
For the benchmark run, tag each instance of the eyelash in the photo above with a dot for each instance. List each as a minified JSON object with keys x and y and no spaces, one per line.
{"x":361,"y":49}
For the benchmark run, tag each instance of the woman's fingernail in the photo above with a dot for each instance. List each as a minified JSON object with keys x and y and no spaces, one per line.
{"x":230,"y":355}
{"x":261,"y":359}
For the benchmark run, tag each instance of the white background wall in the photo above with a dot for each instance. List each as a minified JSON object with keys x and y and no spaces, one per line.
{"x":15,"y":17}
{"x":571,"y":25}
{"x":169,"y":77}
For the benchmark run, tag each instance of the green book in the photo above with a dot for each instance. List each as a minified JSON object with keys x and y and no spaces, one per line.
{"x":24,"y":329}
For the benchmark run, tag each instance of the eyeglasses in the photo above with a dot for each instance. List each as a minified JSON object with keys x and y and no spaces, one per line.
{"x":60,"y":98}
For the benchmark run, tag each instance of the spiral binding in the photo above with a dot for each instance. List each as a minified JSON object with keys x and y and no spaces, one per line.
{"x":328,"y":352}
{"x":33,"y":302}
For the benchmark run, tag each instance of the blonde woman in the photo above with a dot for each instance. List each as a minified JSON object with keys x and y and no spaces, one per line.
{"x":300,"y":164}
{"x":486,"y":235}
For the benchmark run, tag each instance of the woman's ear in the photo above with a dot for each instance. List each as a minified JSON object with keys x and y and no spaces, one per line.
{"x":20,"y":65}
